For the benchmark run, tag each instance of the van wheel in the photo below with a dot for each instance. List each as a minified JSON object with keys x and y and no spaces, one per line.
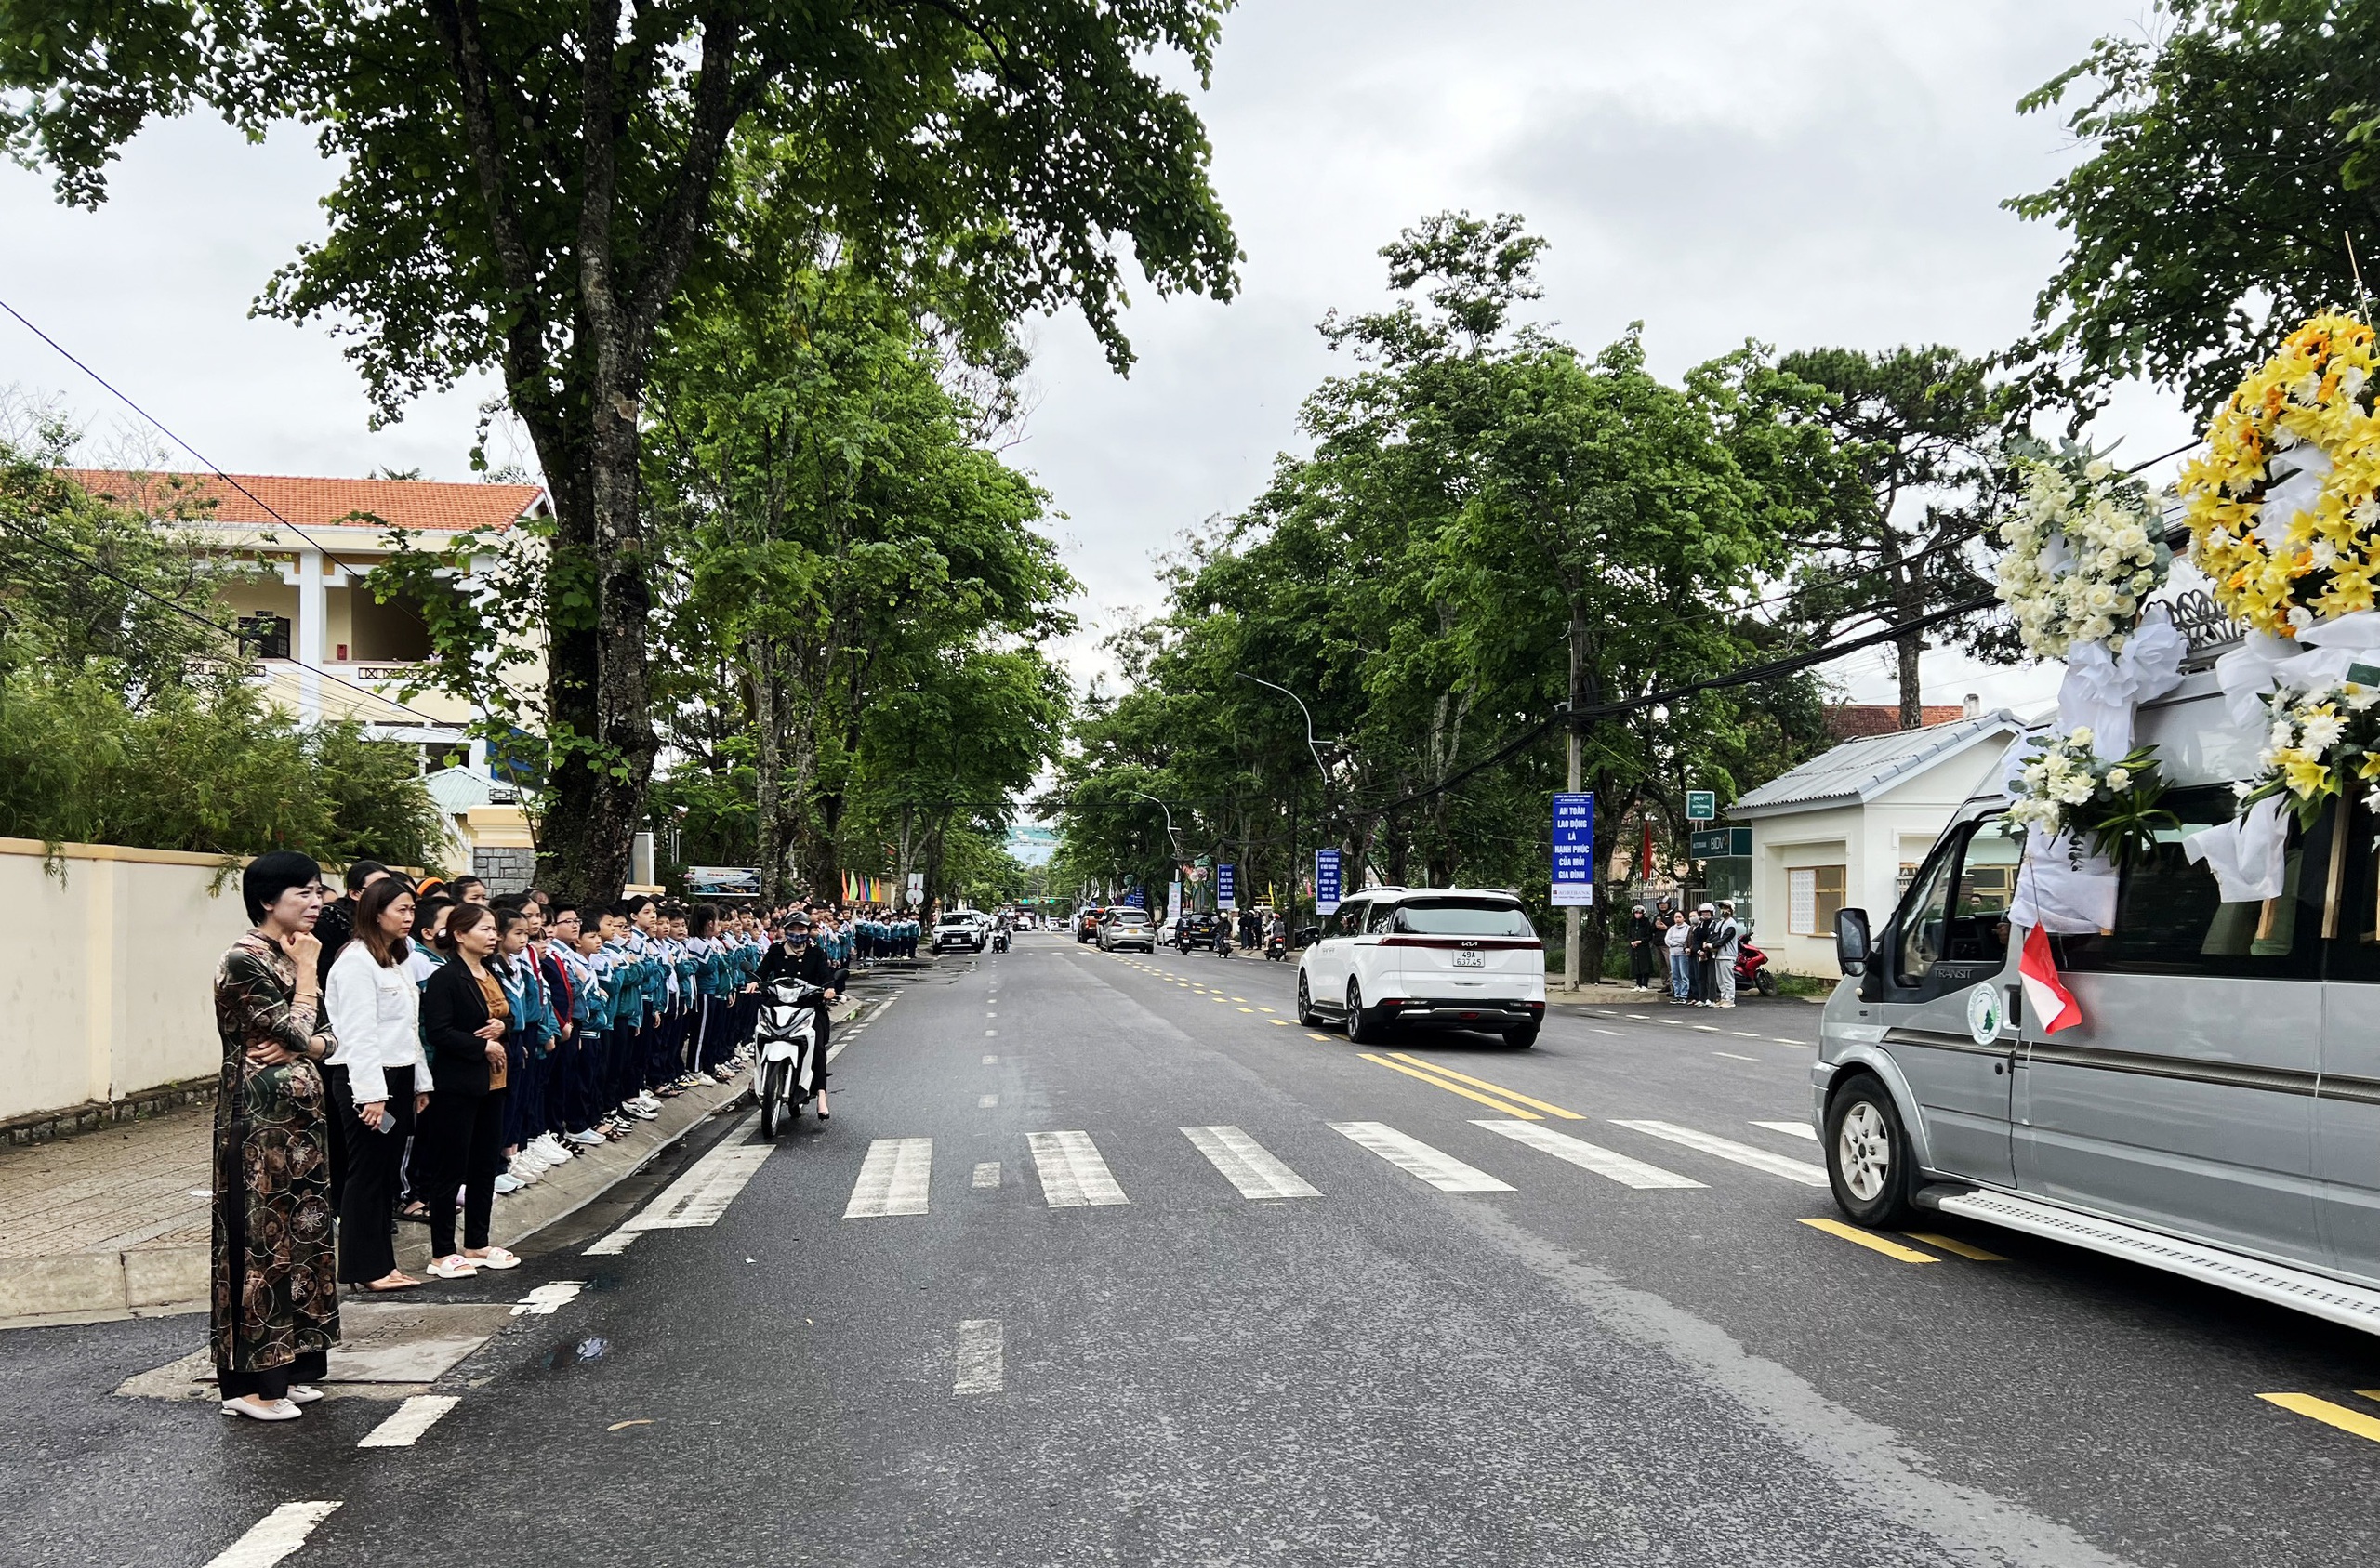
{"x":1306,"y":1015}
{"x":1364,"y":1025}
{"x":1867,"y":1154}
{"x":1522,"y":1038}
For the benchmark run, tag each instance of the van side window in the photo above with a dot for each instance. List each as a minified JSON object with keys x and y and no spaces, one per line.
{"x":1347,"y":922}
{"x":1957,"y":910}
{"x":1382,"y":916}
{"x":2355,"y":957}
{"x":2171,"y":919}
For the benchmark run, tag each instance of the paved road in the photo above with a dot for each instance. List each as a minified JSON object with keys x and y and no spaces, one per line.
{"x":1104,"y":1259}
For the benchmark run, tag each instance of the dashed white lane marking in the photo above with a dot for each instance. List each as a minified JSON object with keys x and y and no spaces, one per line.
{"x":988,"y":1174}
{"x":985,"y":1101}
{"x":979,"y":1360}
{"x":990,"y":1059}
{"x":1743,"y":1034}
{"x":702,"y":1194}
{"x":1736,"y":1056}
{"x":892,"y":1179}
{"x":1710,"y":1028}
{"x":1741,"y":1153}
{"x":1791,"y":1130}
{"x":412,"y":1418}
{"x":1613,"y":1033}
{"x":1435,"y":1166}
{"x":1072,"y":1175}
{"x":1248,"y":1165}
{"x":989,"y":1033}
{"x":1589,"y":1156}
{"x":548,"y":1298}
{"x":275,"y":1537}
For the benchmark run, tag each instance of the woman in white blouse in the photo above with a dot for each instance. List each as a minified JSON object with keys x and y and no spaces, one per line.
{"x":378,"y":1075}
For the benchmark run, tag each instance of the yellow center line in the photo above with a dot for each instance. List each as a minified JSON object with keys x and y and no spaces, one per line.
{"x":1870,"y":1240}
{"x":1451,"y":1088}
{"x":1263,"y":1009}
{"x":1239,"y":998}
{"x":1244,"y":1010}
{"x":2330,"y":1415}
{"x":1482,"y":1083}
{"x":1325,"y":1038}
{"x":1282,"y":1024}
{"x":1953,"y":1244}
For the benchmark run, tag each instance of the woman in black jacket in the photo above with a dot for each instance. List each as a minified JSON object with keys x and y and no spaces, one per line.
{"x":463,"y":1019}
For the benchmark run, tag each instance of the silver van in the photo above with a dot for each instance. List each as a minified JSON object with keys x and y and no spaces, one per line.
{"x":2216,"y":1112}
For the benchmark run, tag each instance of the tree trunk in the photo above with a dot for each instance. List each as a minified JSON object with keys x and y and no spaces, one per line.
{"x":764,"y":725}
{"x":1913,"y":696}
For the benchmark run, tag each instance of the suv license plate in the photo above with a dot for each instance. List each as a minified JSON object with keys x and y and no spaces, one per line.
{"x":1470,"y":960}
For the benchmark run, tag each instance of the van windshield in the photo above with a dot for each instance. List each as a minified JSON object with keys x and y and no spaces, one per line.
{"x":1463,"y":917}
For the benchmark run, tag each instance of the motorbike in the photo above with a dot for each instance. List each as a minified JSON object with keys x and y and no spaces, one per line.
{"x":999,"y":940}
{"x":1223,"y":939}
{"x":1752,"y":970}
{"x":1277,"y":948}
{"x":781,"y":1052}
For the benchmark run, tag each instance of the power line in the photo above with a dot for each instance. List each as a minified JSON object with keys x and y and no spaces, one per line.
{"x":180,"y":609}
{"x":202,"y":460}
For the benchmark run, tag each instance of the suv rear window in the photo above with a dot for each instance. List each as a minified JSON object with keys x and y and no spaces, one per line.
{"x":1463,"y":917}
{"x":1129,"y":917}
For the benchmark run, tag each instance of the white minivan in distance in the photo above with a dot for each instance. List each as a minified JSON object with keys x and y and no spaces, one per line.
{"x":1434,"y":957}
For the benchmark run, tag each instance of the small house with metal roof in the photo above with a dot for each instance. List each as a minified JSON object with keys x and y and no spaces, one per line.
{"x":1847,"y":828}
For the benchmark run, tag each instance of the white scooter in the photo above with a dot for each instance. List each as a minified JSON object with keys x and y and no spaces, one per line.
{"x":781,"y":1056}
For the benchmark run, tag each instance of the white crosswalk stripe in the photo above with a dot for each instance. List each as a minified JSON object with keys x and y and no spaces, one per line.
{"x":1790,"y":1129}
{"x":1724,"y":1148}
{"x":1588,"y":1156}
{"x":892,"y":1179}
{"x":1248,"y":1165}
{"x":702,"y":1194}
{"x":1435,"y":1166}
{"x":1072,"y":1175}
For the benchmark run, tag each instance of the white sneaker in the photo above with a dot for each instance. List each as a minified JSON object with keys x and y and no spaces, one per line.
{"x":506,"y":1185}
{"x":521,"y":1170}
{"x":551,"y":1149}
{"x":647,"y":1102}
{"x":586,"y":1138}
{"x":638,"y":1112}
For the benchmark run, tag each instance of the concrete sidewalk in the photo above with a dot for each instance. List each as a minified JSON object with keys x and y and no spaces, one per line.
{"x":116,"y":1224}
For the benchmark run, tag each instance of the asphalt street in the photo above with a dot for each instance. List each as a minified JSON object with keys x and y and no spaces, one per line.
{"x":1105,"y":1259}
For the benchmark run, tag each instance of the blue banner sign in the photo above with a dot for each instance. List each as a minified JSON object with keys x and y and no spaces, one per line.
{"x":1574,"y":851}
{"x":1326,"y":881}
{"x":1226,"y":887}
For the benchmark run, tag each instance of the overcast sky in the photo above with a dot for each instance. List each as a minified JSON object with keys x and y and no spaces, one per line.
{"x":1828,"y":172}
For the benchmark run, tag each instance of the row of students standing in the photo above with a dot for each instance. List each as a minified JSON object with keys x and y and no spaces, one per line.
{"x":877,"y":936}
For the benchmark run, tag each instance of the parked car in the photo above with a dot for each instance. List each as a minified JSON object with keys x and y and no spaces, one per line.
{"x":2217,"y":1110}
{"x":1197,"y":930}
{"x":1437,"y":957}
{"x":959,"y":929}
{"x":1126,"y":926}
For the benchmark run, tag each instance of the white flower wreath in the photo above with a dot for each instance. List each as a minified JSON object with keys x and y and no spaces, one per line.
{"x":2085,"y":550}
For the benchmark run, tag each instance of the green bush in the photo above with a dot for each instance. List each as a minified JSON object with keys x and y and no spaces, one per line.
{"x":209,"y":768}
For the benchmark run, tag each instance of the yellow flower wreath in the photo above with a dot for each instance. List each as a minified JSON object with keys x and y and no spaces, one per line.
{"x":2316,"y":391}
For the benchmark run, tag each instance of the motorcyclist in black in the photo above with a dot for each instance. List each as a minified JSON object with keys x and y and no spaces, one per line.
{"x":801,"y":958}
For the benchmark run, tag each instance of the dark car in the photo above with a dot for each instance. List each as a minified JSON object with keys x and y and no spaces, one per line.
{"x":1086,"y":923}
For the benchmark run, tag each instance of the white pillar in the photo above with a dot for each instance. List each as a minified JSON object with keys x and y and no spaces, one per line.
{"x":306,"y":637}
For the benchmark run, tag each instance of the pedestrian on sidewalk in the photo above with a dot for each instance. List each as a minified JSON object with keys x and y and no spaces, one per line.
{"x":1724,"y":935}
{"x":274,"y":1298}
{"x":1644,"y":948}
{"x":463,"y":1019}
{"x":1675,"y":938}
{"x":337,"y":924}
{"x":1703,"y":990}
{"x":379,"y":1076}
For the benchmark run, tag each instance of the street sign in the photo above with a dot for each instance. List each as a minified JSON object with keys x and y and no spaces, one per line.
{"x":723,"y":881}
{"x":1137,"y":899}
{"x":1701,"y":805}
{"x":1226,"y":887}
{"x":1713,"y":843}
{"x":1574,"y":851}
{"x":1326,"y":881}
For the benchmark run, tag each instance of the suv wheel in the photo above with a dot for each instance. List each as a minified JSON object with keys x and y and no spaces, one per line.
{"x":1306,"y":1015}
{"x":1867,"y":1154}
{"x":1364,"y":1025}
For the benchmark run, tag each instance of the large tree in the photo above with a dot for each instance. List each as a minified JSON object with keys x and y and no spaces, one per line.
{"x":526,"y":188}
{"x":2235,"y":158}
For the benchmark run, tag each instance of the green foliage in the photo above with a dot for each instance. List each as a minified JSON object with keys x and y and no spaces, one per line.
{"x":2232,"y":164}
{"x":1481,"y":502}
{"x":208,"y":768}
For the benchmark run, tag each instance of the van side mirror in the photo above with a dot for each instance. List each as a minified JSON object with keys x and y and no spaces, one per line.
{"x":1851,"y":941}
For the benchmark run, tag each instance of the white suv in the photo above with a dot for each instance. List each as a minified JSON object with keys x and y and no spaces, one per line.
{"x":1442,"y":957}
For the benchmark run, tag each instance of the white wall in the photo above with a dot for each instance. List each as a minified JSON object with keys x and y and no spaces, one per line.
{"x":108,"y":986}
{"x":1868,"y":841}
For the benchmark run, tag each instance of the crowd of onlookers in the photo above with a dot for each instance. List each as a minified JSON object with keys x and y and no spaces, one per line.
{"x":1690,"y":956}
{"x":417,"y":1050}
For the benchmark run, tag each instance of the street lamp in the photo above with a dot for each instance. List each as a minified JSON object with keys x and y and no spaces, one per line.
{"x":1311,"y":744}
{"x":1161,"y":806}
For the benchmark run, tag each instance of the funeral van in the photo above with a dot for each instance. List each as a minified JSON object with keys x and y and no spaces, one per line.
{"x":2215,"y":1112}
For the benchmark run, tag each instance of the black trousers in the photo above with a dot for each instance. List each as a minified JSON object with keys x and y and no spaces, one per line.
{"x":367,"y":1202}
{"x":312,"y":1367}
{"x":464,"y":1134}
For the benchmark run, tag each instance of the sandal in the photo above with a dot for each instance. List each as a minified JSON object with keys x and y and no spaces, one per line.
{"x":387,"y":1283}
{"x":494,"y":1257}
{"x":453,"y":1267}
